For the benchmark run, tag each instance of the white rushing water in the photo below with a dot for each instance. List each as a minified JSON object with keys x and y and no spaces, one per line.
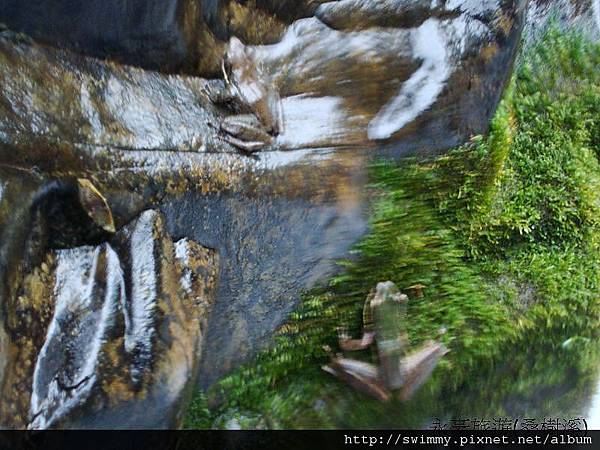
{"x":139,"y":324}
{"x":422,"y":88}
{"x":308,"y":120}
{"x":65,"y":369}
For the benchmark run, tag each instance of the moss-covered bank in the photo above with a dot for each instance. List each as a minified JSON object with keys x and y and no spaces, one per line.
{"x":505,"y":234}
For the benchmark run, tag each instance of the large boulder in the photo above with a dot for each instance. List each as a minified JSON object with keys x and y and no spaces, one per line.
{"x":125,"y":320}
{"x":413,"y":77}
{"x":277,"y":222}
{"x":421,"y":80}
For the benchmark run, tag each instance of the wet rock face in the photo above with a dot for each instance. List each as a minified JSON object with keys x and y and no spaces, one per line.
{"x":167,"y":35}
{"x":108,"y":105}
{"x":144,"y":33}
{"x":346,"y":77}
{"x":123,"y":324}
{"x":404,"y":71}
{"x":213,"y":246}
